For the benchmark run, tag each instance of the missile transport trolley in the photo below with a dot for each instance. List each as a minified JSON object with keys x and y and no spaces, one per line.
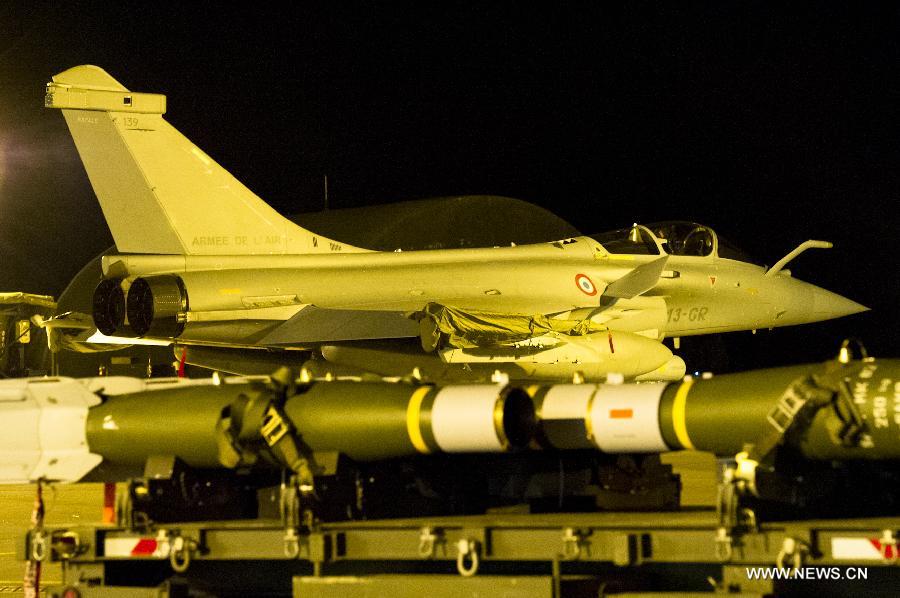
{"x":266,"y":487}
{"x":552,"y":555}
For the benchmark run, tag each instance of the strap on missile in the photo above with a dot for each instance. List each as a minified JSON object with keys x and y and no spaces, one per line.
{"x":282,"y":438}
{"x":235,"y":432}
{"x":794,"y":410}
{"x":792,"y":414}
{"x":259,"y":415}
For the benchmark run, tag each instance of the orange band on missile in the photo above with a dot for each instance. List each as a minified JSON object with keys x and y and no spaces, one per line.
{"x":679,"y":417}
{"x":621,"y":413}
{"x":413,"y":411}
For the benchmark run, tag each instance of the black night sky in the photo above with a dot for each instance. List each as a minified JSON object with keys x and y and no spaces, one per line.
{"x":773,"y":124}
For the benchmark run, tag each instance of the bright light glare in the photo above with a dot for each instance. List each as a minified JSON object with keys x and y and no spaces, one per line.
{"x":99,"y":337}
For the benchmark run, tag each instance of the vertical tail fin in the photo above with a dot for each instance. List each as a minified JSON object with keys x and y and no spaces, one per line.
{"x":159,"y":192}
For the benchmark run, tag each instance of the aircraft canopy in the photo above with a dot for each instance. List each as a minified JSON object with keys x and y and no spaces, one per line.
{"x":673,"y":238}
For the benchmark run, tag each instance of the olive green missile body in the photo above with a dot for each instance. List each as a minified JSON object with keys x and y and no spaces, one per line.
{"x":365,"y":421}
{"x":61,"y":428}
{"x":838,"y":411}
{"x":126,"y":429}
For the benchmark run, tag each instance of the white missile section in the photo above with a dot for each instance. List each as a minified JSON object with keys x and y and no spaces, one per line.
{"x":44,"y":421}
{"x":563,"y":415}
{"x":469,"y":419}
{"x":624,"y":418}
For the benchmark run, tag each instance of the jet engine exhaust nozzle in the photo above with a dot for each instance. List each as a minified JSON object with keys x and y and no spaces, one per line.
{"x":157,"y":306}
{"x":109,"y":307}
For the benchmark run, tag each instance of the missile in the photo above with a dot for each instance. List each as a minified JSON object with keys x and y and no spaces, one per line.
{"x":62,"y":428}
{"x":830,"y":411}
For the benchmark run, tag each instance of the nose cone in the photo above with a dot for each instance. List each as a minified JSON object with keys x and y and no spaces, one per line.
{"x":633,"y":354}
{"x":670,"y":371}
{"x":827,"y":305}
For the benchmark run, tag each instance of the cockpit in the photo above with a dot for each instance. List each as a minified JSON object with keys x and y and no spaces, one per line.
{"x":673,"y":238}
{"x":637,"y":240}
{"x":685,"y":238}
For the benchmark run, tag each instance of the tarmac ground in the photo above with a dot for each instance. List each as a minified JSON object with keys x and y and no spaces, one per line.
{"x":72,"y":504}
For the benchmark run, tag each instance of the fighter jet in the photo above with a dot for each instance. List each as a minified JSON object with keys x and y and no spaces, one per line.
{"x":204,"y":262}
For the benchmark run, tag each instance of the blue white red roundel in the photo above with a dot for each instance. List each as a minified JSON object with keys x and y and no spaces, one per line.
{"x":585,"y":285}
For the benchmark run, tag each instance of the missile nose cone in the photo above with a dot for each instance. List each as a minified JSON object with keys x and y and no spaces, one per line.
{"x":633,"y":354}
{"x":827,"y":305}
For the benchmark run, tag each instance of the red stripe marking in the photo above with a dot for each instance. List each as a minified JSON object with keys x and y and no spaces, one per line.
{"x":181,"y":362}
{"x":109,"y":502}
{"x":144,"y":547}
{"x":888,"y":551}
{"x":621,"y":413}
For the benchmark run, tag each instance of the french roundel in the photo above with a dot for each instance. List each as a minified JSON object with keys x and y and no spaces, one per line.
{"x":585,"y":285}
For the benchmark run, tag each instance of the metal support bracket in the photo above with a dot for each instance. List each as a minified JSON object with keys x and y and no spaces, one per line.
{"x":467,"y":549}
{"x":429,"y":538}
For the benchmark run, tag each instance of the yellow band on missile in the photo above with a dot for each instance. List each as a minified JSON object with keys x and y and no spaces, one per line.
{"x":679,"y":414}
{"x":412,"y":420}
{"x":589,"y":417}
